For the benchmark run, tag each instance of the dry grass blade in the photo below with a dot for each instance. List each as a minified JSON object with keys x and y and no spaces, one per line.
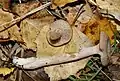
{"x":95,"y":74}
{"x":5,"y":52}
{"x":102,"y":71}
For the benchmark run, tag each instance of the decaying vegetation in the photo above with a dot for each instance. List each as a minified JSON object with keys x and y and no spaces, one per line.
{"x":59,"y":40}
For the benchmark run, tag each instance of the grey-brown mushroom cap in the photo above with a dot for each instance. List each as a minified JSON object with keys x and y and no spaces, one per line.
{"x":59,"y":33}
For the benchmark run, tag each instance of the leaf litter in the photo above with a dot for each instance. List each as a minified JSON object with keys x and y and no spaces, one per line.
{"x":31,"y":35}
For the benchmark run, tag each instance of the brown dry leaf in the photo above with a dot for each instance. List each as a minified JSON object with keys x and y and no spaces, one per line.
{"x":95,"y":26}
{"x":4,"y":17}
{"x":29,"y":28}
{"x":56,"y":3}
{"x":13,"y":32}
{"x":6,"y":71}
{"x":22,"y":9}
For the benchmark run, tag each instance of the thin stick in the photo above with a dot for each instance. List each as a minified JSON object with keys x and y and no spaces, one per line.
{"x":78,"y":14}
{"x":13,"y":22}
{"x":28,"y":75}
{"x":22,"y":54}
{"x":20,"y":75}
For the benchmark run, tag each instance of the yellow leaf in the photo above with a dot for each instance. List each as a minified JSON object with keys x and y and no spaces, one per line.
{"x":44,"y":49}
{"x":6,"y":71}
{"x":95,"y":26}
{"x":56,"y":3}
{"x":78,"y":41}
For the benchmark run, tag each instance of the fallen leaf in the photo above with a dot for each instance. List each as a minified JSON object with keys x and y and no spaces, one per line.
{"x":22,"y":9}
{"x":12,"y":33}
{"x":84,"y":16}
{"x":91,"y":25}
{"x":56,"y":3}
{"x":30,"y":27}
{"x":110,"y":6}
{"x":6,"y":71}
{"x":28,"y":30}
{"x":62,"y":71}
{"x":95,"y":26}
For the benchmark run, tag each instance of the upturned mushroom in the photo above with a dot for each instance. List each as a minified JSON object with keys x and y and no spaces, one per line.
{"x":103,"y":49}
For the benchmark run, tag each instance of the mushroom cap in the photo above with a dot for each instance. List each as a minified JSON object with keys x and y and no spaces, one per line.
{"x":59,"y":33}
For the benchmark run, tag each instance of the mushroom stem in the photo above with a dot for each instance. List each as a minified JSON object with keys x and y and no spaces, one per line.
{"x":105,"y":48}
{"x":101,"y":49}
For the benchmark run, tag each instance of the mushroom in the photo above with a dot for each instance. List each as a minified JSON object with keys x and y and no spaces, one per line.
{"x":60,"y":33}
{"x":103,"y":49}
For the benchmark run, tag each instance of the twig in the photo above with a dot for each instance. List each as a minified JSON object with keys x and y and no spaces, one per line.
{"x":78,"y":14}
{"x":13,"y":22}
{"x":28,"y":75}
{"x":20,"y":75}
{"x":21,"y":55}
{"x":54,"y":14}
{"x":106,"y":75}
{"x":88,"y":6}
